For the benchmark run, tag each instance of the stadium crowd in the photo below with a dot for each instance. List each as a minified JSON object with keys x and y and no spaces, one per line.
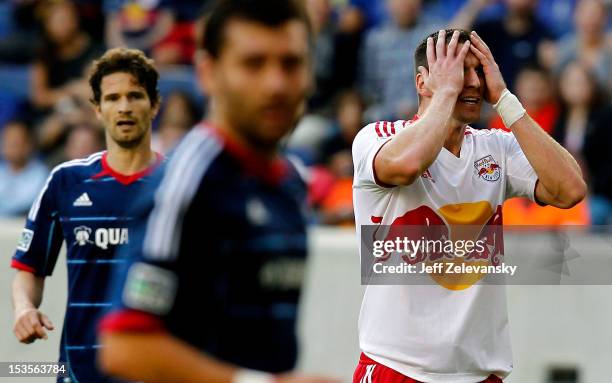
{"x":556,"y":56}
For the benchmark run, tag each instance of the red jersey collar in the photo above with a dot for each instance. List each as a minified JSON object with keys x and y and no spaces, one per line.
{"x":270,"y":170}
{"x":467,"y":132}
{"x":123,"y":178}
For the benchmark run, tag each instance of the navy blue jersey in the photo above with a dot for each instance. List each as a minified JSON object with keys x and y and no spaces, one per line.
{"x":219,"y":262}
{"x":83,"y":203}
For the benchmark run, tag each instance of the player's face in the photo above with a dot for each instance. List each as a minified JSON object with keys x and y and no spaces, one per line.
{"x":469,"y":102}
{"x":260,"y":80}
{"x":125,"y":109}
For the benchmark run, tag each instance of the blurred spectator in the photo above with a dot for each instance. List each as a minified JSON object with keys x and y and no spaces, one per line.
{"x":596,"y":151}
{"x":521,"y":211}
{"x":178,"y":116}
{"x":21,"y":40}
{"x":331,"y":181}
{"x":21,"y":175}
{"x":516,"y":39}
{"x":320,"y":14}
{"x":582,"y":101}
{"x":179,"y":45}
{"x":535,"y":89}
{"x":53,"y":132}
{"x":336,"y":51}
{"x":166,"y":30}
{"x":589,"y":44}
{"x":57,"y":74}
{"x":374,"y":12}
{"x":386,"y":63}
{"x":387,"y":71}
{"x":349,"y":120}
{"x":139,"y":24}
{"x":83,"y":140}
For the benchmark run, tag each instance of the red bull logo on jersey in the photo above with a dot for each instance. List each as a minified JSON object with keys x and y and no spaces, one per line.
{"x":487,"y":168}
{"x":459,"y":223}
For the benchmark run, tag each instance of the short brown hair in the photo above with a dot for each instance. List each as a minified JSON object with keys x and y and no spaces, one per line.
{"x":132,"y":61}
{"x":420,"y":54}
{"x":271,"y":13}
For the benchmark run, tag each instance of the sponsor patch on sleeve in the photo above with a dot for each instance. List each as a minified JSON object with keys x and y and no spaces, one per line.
{"x":25,"y":240}
{"x":150,"y":289}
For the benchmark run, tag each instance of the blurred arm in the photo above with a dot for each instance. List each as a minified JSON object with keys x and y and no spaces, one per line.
{"x":467,"y":15}
{"x":170,"y":360}
{"x":42,"y":95}
{"x":166,"y":359}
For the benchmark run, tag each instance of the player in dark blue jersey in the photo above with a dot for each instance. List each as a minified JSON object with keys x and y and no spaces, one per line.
{"x":84,"y":203}
{"x":214,"y":277}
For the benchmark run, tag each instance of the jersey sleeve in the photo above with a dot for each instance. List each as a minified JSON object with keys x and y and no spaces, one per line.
{"x":144,"y":290}
{"x":366,"y":146}
{"x":41,"y":238}
{"x":521,"y":179}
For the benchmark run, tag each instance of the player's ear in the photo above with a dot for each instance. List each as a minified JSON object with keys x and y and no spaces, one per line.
{"x":422,"y":89}
{"x":205,"y":65}
{"x":96,"y":108}
{"x":155,"y":108}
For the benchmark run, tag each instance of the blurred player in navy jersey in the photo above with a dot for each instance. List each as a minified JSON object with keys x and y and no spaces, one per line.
{"x":83,"y":203}
{"x":212,"y":286}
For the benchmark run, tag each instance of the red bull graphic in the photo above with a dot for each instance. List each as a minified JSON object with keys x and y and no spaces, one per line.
{"x":457,"y":222}
{"x":488,"y":169}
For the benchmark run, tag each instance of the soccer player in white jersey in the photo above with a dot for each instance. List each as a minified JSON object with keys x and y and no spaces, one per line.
{"x":436,"y":167}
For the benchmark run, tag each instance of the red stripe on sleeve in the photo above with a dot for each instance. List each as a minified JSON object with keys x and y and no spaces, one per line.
{"x":15,"y":264}
{"x":378,"y":129}
{"x":130,"y":320}
{"x":385,"y":125}
{"x":392,"y":128}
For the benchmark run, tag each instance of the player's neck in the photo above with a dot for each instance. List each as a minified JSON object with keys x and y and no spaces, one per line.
{"x":454,"y":138}
{"x":235,"y":135}
{"x":130,"y":161}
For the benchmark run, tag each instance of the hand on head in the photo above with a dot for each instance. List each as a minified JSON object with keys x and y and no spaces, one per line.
{"x":493,"y":77}
{"x":445,"y":73}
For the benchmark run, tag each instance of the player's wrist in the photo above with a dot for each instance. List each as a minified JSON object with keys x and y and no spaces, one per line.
{"x":446,"y":92}
{"x":24,"y":307}
{"x":253,"y":376}
{"x":509,"y":108}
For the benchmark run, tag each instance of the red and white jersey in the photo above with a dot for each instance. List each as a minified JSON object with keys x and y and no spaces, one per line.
{"x":438,"y":333}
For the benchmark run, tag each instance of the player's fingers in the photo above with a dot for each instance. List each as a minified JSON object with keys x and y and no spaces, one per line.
{"x":431,"y":56}
{"x":29,"y":339}
{"x":480,"y":44}
{"x":452,"y":46}
{"x":26,"y":337}
{"x":46,"y":322}
{"x":19,"y":333}
{"x":37,"y":326}
{"x":27,"y":327}
{"x":465,"y":48}
{"x":441,"y":44}
{"x":479,"y":55}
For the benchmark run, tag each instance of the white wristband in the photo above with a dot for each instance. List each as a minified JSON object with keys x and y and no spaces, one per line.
{"x":252,"y":376}
{"x":509,"y":108}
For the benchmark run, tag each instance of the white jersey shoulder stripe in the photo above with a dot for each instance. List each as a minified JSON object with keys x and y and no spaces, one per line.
{"x":183,"y":175}
{"x":78,"y":162}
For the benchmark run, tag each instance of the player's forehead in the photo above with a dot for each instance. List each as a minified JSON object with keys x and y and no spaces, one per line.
{"x":244,"y":37}
{"x":471,"y":61}
{"x":119,"y":82}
